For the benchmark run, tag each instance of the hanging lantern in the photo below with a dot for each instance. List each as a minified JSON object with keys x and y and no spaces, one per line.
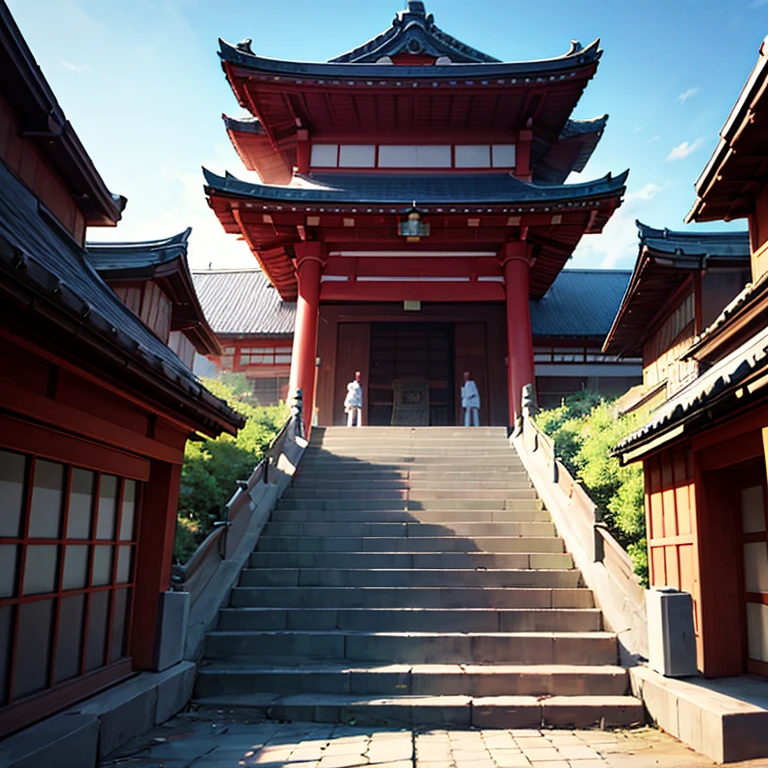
{"x":413,"y":228}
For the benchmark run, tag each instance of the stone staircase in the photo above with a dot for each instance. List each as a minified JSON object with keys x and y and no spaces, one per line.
{"x":412,"y":577}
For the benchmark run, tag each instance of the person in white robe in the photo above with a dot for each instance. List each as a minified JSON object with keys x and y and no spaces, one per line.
{"x":353,"y":402}
{"x":470,"y":401}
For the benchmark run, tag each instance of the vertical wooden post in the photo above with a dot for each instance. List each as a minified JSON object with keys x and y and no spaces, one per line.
{"x":154,"y":556}
{"x":765,"y":449}
{"x":310,"y":257}
{"x":515,"y":261}
{"x":523,"y":155}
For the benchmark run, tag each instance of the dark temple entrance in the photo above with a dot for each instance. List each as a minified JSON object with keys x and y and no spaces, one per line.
{"x":417,"y":355}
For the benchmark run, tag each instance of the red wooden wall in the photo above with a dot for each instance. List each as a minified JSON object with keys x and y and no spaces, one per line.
{"x":670,"y":505}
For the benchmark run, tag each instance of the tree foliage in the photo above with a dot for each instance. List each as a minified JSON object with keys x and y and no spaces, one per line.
{"x":585,"y":429}
{"x":212,"y":467}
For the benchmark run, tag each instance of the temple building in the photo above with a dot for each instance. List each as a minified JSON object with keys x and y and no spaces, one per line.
{"x":254,"y":327}
{"x":705,"y":449}
{"x":412,"y":203}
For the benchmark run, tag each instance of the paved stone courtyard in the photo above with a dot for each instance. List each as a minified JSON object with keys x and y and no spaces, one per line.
{"x":219,"y":740}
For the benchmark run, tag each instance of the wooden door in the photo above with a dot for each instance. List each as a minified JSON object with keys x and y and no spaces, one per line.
{"x":352,"y":354}
{"x":472,"y":355}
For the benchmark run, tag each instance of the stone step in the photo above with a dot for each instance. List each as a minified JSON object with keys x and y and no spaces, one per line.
{"x":447,"y":516}
{"x":438,"y":711}
{"x":413,"y":619}
{"x":411,"y":461}
{"x":588,"y":648}
{"x":411,"y":597}
{"x":364,"y":471}
{"x":373,"y":486}
{"x":410,"y":529}
{"x":438,"y":560}
{"x":413,"y":680}
{"x":410,"y":544}
{"x":525,"y":500}
{"x":411,"y":577}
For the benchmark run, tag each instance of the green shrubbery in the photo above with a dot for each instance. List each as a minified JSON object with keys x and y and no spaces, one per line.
{"x":213,"y":467}
{"x":585,"y":429}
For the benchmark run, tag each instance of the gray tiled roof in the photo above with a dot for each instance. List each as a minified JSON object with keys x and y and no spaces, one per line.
{"x":581,"y":302}
{"x":577,"y":57}
{"x":723,"y":245}
{"x":55,"y":264}
{"x":403,"y":189}
{"x":107,"y":257}
{"x":243,"y":302}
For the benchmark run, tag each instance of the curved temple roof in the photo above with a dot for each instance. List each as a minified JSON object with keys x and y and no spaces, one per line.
{"x":425,"y":189}
{"x":242,"y":55}
{"x":142,"y":253}
{"x":413,"y":31}
{"x":572,"y":150}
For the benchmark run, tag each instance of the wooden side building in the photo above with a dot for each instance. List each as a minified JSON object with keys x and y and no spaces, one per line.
{"x":95,"y":410}
{"x":704,"y":450}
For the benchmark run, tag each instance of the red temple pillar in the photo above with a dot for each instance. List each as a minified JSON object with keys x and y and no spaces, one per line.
{"x":310,"y":257}
{"x":515,"y":261}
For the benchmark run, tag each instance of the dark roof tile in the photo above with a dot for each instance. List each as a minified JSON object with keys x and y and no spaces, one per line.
{"x":580,"y":303}
{"x":403,"y":189}
{"x":58,"y":266}
{"x":243,"y":302}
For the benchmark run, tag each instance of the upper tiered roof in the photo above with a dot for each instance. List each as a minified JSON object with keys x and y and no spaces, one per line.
{"x":412,"y":80}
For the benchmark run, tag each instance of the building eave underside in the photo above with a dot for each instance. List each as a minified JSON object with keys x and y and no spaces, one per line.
{"x":232,"y":198}
{"x":738,"y":168}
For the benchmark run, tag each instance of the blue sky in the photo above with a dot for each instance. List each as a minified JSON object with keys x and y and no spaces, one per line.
{"x":141,"y":82}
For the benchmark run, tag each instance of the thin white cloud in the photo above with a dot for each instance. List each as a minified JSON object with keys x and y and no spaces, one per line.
{"x":756,"y":4}
{"x":654,"y":138}
{"x":681,"y":151}
{"x":79,"y":68}
{"x":638,"y":129}
{"x":683,"y":97}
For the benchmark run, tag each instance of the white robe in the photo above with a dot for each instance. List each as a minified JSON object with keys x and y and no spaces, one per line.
{"x":470,"y":397}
